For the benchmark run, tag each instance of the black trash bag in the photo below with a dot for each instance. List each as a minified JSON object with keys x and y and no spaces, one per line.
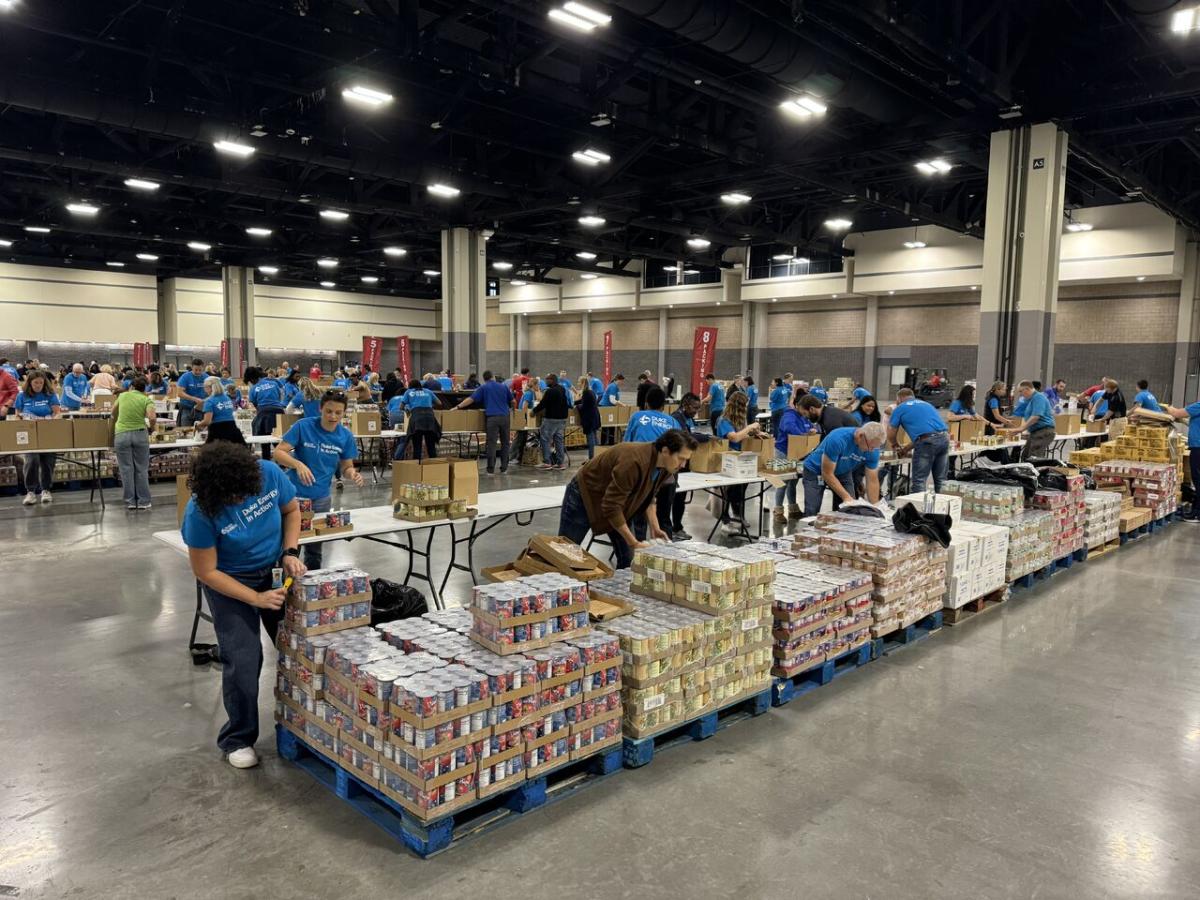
{"x":1049,"y":480}
{"x":391,"y":601}
{"x":935,"y":526}
{"x":1019,"y":474}
{"x":860,"y":509}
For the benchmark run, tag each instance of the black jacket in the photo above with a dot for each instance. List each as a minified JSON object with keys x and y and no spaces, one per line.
{"x":1116,"y":404}
{"x":589,"y":411}
{"x":643,"y":389}
{"x":391,"y":387}
{"x":685,"y":425}
{"x":553,"y":404}
{"x":832,"y":417}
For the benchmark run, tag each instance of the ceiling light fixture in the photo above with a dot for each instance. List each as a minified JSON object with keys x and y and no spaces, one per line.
{"x":934,"y":167}
{"x":838,"y":224}
{"x":233,"y":148}
{"x":367,"y":96}
{"x":1141,"y":278}
{"x":588,"y":276}
{"x":1079,"y":226}
{"x":914,"y":245}
{"x":586,"y":254}
{"x":736,"y":198}
{"x":590,"y":157}
{"x":115,"y":264}
{"x":37,"y":229}
{"x":670,"y":268}
{"x":782,"y":257}
{"x":691,"y":271}
{"x":431,"y":273}
{"x":8,"y":5}
{"x":200,"y":246}
{"x":141,"y":184}
{"x":394,"y":251}
{"x":804,"y":106}
{"x":82,"y":209}
{"x":579,"y":16}
{"x":147,"y":257}
{"x":517,"y":282}
{"x":502,"y":266}
{"x":370,"y":279}
{"x":592,"y":221}
{"x":255,"y":231}
{"x":5,"y":244}
{"x":699,"y":243}
{"x":335,"y":215}
{"x":327,"y":263}
{"x":443,"y":190}
{"x":328,"y":284}
{"x":269,"y":270}
{"x":1186,"y":20}
{"x":974,"y":287}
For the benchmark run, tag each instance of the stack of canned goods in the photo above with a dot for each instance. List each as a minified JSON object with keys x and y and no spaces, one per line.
{"x":306,"y":513}
{"x":343,"y":596}
{"x":548,"y":605}
{"x":335,"y":518}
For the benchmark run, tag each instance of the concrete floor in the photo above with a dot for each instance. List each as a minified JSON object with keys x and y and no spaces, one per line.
{"x":1049,"y":749}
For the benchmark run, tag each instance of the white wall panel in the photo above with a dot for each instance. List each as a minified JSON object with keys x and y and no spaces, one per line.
{"x":41,"y":303}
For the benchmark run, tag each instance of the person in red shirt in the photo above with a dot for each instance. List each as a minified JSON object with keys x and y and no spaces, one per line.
{"x":1095,"y":387}
{"x":518,"y":383}
{"x":314,"y":372}
{"x":8,"y":392}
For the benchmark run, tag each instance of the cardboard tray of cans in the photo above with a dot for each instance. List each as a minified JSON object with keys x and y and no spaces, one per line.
{"x":528,"y":613}
{"x":327,"y":600}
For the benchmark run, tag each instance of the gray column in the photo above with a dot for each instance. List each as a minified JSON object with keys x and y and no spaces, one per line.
{"x":464,"y":298}
{"x":1019,"y":297}
{"x":522,"y":342}
{"x":584,"y":341}
{"x":748,"y":314}
{"x":662,"y":343}
{"x":1184,"y":388}
{"x":168,"y":318}
{"x":870,"y":339}
{"x":762,"y":322}
{"x":31,"y":351}
{"x":237,"y":309}
{"x":512,"y":343}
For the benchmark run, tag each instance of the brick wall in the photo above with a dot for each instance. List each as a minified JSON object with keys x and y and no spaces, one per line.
{"x":799,"y":327}
{"x":554,"y":345}
{"x":630,"y":332}
{"x":928,"y":321}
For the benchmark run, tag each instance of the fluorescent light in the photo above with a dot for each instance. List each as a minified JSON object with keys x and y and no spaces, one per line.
{"x":327,"y":263}
{"x":394,"y":251}
{"x":782,"y":257}
{"x":517,"y":282}
{"x":1185,"y":20}
{"x":588,"y":276}
{"x":200,"y":246}
{"x":699,"y":243}
{"x":586,"y":254}
{"x":736,"y":198}
{"x":670,"y":268}
{"x":838,"y":224}
{"x":579,"y":16}
{"x":147,"y":257}
{"x":269,"y":270}
{"x":82,"y":209}
{"x":37,"y":229}
{"x":115,"y":264}
{"x":804,"y":106}
{"x":1141,"y":278}
{"x":914,"y":245}
{"x":803,"y":260}
{"x":5,"y":243}
{"x":8,"y":5}
{"x":1079,"y":226}
{"x":370,"y":279}
{"x":934,"y":167}
{"x":367,"y":96}
{"x":501,"y":266}
{"x":233,"y":148}
{"x":141,"y":184}
{"x":328,"y":284}
{"x":691,"y":271}
{"x":592,"y":221}
{"x":255,"y":231}
{"x":443,"y":190}
{"x":431,"y":273}
{"x":974,"y":287}
{"x":774,"y":299}
{"x":335,"y":215}
{"x":590,"y":157}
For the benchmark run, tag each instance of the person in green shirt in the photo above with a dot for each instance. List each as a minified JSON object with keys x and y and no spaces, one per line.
{"x":134,"y":415}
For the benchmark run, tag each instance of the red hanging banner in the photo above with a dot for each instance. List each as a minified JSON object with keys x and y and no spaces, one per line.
{"x":372,"y":352}
{"x":141,"y":355}
{"x":607,"y":358}
{"x":704,"y":352}
{"x":404,"y":357}
{"x":224,"y":354}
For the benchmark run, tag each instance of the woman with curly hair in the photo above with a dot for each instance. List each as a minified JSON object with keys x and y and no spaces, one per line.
{"x":241,"y":521}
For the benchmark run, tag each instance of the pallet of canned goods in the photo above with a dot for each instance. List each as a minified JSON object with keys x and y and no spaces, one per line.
{"x":528,"y":613}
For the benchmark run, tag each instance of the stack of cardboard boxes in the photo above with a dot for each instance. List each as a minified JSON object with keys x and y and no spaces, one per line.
{"x":1068,"y":514}
{"x":975,"y":563}
{"x":1152,"y":488}
{"x":1103,"y":518}
{"x":1030,"y":543}
{"x":21,"y":436}
{"x":1029,"y":531}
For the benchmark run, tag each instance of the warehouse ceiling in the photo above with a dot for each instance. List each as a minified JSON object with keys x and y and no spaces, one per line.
{"x":643,"y":121}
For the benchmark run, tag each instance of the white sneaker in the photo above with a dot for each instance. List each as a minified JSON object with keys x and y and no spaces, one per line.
{"x":732,"y":528}
{"x":30,"y":499}
{"x":45,"y":497}
{"x":143,"y":506}
{"x":243,"y":758}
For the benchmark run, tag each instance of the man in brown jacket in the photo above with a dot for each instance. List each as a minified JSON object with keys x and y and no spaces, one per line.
{"x":616,"y":487}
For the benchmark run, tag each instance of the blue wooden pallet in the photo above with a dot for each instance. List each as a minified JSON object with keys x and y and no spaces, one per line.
{"x":785,"y":690}
{"x":427,"y":838}
{"x":1027,"y":581}
{"x":902,"y":637}
{"x":637,"y":752}
{"x":1075,"y":556}
{"x":1134,"y":534}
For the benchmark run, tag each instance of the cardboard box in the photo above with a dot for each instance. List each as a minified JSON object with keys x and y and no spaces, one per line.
{"x":91,"y":432}
{"x":474,"y":420}
{"x":800,"y":445}
{"x":706,"y":458}
{"x":551,"y":553}
{"x":519,"y":419}
{"x":55,"y":434}
{"x":623,"y":414}
{"x":737,"y":464}
{"x":573,"y":417}
{"x":763,"y":447}
{"x":968,"y":430}
{"x":105,"y":402}
{"x":17,"y":436}
{"x":284,"y":421}
{"x":1068,"y":423}
{"x":611,"y":415}
{"x":366,"y":423}
{"x":461,"y":476}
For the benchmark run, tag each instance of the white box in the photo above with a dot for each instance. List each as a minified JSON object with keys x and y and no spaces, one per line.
{"x":739,"y":465}
{"x":945,"y":504}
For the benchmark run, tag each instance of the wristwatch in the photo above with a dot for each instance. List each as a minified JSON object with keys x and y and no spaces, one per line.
{"x":293,"y":552}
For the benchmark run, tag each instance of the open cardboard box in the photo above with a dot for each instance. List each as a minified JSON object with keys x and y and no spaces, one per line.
{"x":800,"y":445}
{"x":17,"y":436}
{"x":550,"y":553}
{"x":461,"y":476}
{"x":706,"y":458}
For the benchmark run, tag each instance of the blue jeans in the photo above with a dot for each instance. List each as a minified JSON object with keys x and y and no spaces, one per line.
{"x":401,"y":447}
{"x":314,"y":553}
{"x":788,"y":491}
{"x":551,"y":436}
{"x":39,"y":472}
{"x":814,"y":490}
{"x":237,"y":627}
{"x":1194,"y":466}
{"x":133,"y":460}
{"x":931,"y":454}
{"x":573,"y":523}
{"x":591,"y":443}
{"x":190,"y":415}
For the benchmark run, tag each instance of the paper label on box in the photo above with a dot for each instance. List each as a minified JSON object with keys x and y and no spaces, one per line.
{"x":654,"y":702}
{"x":656,"y":575}
{"x":749,"y":623}
{"x":372,"y":425}
{"x":701,"y":587}
{"x":22,"y":438}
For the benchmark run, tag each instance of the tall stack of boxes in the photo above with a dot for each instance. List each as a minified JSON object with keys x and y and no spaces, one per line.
{"x":975,"y":562}
{"x":1030,"y":532}
{"x":1153,"y":486}
{"x":1068,"y":512}
{"x":1103,"y":518}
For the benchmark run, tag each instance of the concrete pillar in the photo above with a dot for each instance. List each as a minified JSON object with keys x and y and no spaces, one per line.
{"x":749,"y":312}
{"x":584,"y":340}
{"x":512,"y":343}
{"x":870,"y":340}
{"x":663,"y":327}
{"x":168,"y":318}
{"x":762,"y":318}
{"x":464,"y":298}
{"x":521,"y":341}
{"x":237,"y":309}
{"x":1026,"y":179}
{"x":31,"y":351}
{"x":1184,"y":387}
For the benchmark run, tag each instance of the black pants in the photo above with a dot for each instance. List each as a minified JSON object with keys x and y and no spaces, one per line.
{"x":497,"y":433}
{"x":1194,"y":466}
{"x":264,"y":423}
{"x":430,"y":439}
{"x":713,"y":419}
{"x":668,"y":507}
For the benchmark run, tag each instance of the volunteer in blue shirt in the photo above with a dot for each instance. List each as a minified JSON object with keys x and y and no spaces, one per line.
{"x":779,"y":400}
{"x":75,"y":387}
{"x":596,"y":385}
{"x":798,"y":419}
{"x":446,"y":382}
{"x":266,"y":396}
{"x":37,"y":400}
{"x":818,"y":391}
{"x":866,"y":410}
{"x":290,"y":388}
{"x":732,"y":427}
{"x":10,"y":369}
{"x":241,"y":522}
{"x":1143,"y":399}
{"x":859,"y":393}
{"x":528,"y":397}
{"x":646,"y":425}
{"x":1033,"y":415}
{"x":963,"y":406}
{"x":1191,"y":412}
{"x":671,"y":502}
{"x":231,"y":389}
{"x":716,"y":400}
{"x":1057,"y":394}
{"x":218,"y":414}
{"x":423,"y":427}
{"x":496,"y":400}
{"x":611,"y":397}
{"x":340,"y":381}
{"x":833,"y":463}
{"x":312,"y":452}
{"x":191,"y":393}
{"x":930,"y":439}
{"x":156,"y":385}
{"x":752,"y":398}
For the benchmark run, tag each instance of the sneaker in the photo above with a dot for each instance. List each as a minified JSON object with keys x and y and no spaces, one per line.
{"x":732,"y":528}
{"x":243,"y":758}
{"x":504,"y":471}
{"x":779,"y":517}
{"x":339,"y":484}
{"x":45,"y":497}
{"x":143,"y":506}
{"x":131,"y":508}
{"x":30,"y":499}
{"x":489,"y":472}
{"x":680,"y":535}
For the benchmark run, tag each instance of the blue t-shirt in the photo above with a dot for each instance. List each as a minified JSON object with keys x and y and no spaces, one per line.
{"x":1193,"y":412}
{"x":495,"y":398}
{"x":1101,"y":407}
{"x":958,"y":409}
{"x":221,"y":408}
{"x":918,"y":418}
{"x":1148,"y":401}
{"x":612,"y":394}
{"x":649,"y":425}
{"x":395,"y":410}
{"x":341,"y":384}
{"x":820,"y":393}
{"x":724,"y":429}
{"x":237,"y":392}
{"x":447,"y":384}
{"x":156,"y":389}
{"x":597,"y":386}
{"x":36,"y":406}
{"x":780,"y":398}
{"x":11,"y":370}
{"x":528,"y":400}
{"x":248,"y":535}
{"x":752,"y":395}
{"x":267,"y":394}
{"x":993,"y":403}
{"x":321,"y":451}
{"x":76,"y":385}
{"x":417,"y":398}
{"x":1037,"y":406}
{"x":432,"y":384}
{"x":791,"y":423}
{"x":289,"y":390}
{"x":716,"y":398}
{"x":191,"y":389}
{"x":839,"y":446}
{"x":860,"y":392}
{"x":858,"y":417}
